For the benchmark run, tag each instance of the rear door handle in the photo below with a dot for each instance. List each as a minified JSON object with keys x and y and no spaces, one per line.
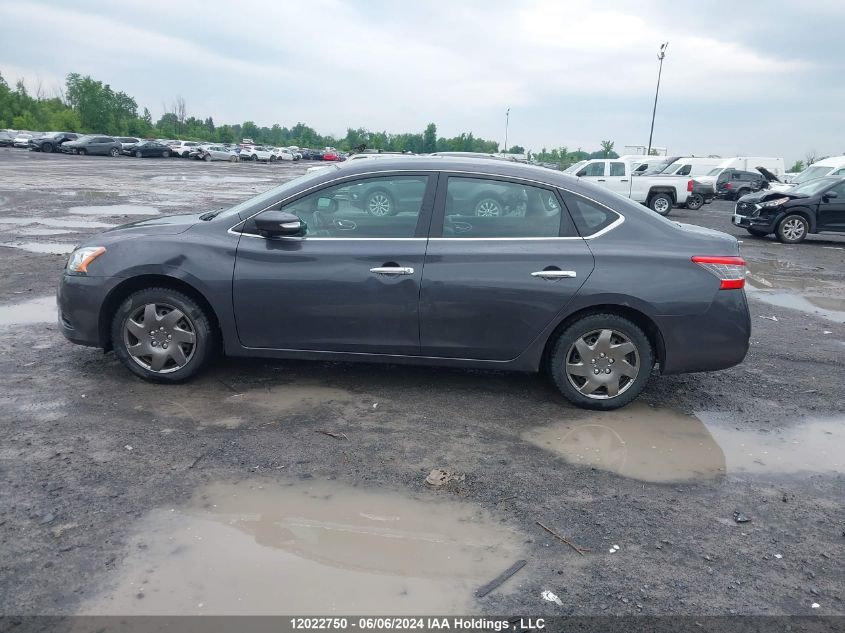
{"x":554,"y":274}
{"x":392,"y":270}
{"x":600,"y":180}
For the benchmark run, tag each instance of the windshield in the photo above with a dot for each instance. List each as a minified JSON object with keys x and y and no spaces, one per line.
{"x":811,"y":173}
{"x":813,"y":187}
{"x":573,"y":168}
{"x":266,"y":197}
{"x":714,"y":172}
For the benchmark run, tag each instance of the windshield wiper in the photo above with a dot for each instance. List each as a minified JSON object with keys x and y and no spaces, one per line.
{"x":205,"y":217}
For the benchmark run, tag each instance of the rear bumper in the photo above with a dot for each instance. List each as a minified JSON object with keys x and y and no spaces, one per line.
{"x":717,"y":339}
{"x":80,"y":300}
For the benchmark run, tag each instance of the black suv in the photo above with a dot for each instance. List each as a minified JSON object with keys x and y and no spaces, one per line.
{"x":812,"y":207}
{"x":732,"y":184}
{"x":51,"y":142}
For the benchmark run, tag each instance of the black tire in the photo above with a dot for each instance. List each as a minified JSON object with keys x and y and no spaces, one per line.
{"x":207,"y":158}
{"x":695,"y":201}
{"x":233,"y":159}
{"x":82,"y":152}
{"x":114,"y":152}
{"x":204,"y":344}
{"x":742,"y":192}
{"x":661,"y":203}
{"x":138,"y":154}
{"x":757,"y":233}
{"x":641,"y":358}
{"x":165,"y":154}
{"x":254,"y":158}
{"x":380,"y":203}
{"x":488,"y":205}
{"x":792,"y":229}
{"x":47,"y":148}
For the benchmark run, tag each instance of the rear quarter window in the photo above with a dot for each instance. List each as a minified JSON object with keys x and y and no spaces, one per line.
{"x":590,"y":217}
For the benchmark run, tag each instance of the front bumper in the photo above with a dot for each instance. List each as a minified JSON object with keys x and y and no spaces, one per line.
{"x":766,"y":224}
{"x":80,"y":299}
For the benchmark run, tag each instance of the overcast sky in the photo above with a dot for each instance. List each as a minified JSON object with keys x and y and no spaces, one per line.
{"x":740,"y":78}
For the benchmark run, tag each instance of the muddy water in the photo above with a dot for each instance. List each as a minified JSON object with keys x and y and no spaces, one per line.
{"x":50,"y":248}
{"x":57,"y":222}
{"x":212,"y":179}
{"x":114,"y":209}
{"x":662,"y":445}
{"x":786,"y":285}
{"x":315,"y":548}
{"x":40,"y":310}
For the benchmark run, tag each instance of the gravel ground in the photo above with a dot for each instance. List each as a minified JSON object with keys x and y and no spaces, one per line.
{"x":89,"y":451}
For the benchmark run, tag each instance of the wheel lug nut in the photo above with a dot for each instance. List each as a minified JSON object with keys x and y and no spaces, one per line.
{"x":602,"y":354}
{"x":607,"y":371}
{"x":594,"y":361}
{"x":153,"y":344}
{"x":596,"y":371}
{"x":164,"y":346}
{"x":612,"y":361}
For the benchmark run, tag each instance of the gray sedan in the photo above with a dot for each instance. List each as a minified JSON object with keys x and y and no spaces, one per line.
{"x":215,"y":152}
{"x":437,"y":261}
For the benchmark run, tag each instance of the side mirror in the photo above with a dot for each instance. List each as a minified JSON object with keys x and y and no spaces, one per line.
{"x":279,"y":224}
{"x":582,"y":172}
{"x":831,"y":194}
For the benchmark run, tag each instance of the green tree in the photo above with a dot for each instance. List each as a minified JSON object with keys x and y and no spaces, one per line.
{"x":607,"y":148}
{"x":429,"y":140}
{"x":797,"y":166}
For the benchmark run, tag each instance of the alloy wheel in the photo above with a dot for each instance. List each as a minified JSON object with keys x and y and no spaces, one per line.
{"x":159,"y":337}
{"x":793,"y":229}
{"x":602,"y":364}
{"x":488,"y":208}
{"x":378,"y":204}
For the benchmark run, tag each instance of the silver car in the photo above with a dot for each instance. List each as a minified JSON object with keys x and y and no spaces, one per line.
{"x":216,"y":152}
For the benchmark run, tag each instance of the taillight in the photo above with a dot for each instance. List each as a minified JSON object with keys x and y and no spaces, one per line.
{"x":729,"y":270}
{"x":728,"y":185}
{"x":689,"y":186}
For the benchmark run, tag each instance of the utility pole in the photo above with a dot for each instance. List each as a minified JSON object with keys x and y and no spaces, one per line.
{"x":660,"y":55}
{"x":507,"y":121}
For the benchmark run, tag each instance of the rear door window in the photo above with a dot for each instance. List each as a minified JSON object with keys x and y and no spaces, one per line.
{"x":498,"y":209}
{"x":617,"y":169}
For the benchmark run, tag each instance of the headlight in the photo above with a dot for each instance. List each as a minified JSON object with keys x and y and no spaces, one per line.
{"x":774,"y":203}
{"x":81,"y":258}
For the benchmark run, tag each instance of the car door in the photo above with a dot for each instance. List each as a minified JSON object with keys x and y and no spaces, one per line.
{"x":594,"y":172}
{"x":350,"y":284}
{"x":491,"y":284}
{"x":617,"y":180}
{"x":831,"y":210}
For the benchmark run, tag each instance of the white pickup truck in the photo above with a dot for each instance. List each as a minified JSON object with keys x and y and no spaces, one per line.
{"x":659,"y":192}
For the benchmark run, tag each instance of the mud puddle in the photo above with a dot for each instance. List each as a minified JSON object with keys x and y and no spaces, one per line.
{"x":782,"y":275}
{"x":40,"y":310}
{"x":662,"y":445}
{"x":309,"y":548}
{"x":830,"y":308}
{"x":57,"y":222}
{"x":220,"y":179}
{"x":114,"y":209}
{"x":36,"y":232}
{"x":50,"y":248}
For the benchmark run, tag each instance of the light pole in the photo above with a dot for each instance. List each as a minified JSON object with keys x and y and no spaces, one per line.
{"x":507,"y":121}
{"x":660,"y":55}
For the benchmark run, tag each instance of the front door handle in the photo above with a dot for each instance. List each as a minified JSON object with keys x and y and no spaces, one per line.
{"x":392,"y":270}
{"x":554,"y":274}
{"x":601,"y":180}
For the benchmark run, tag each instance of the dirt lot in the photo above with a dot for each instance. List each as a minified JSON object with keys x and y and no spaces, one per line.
{"x":124,"y":497}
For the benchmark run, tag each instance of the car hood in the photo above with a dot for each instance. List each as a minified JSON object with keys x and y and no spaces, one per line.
{"x":167,"y":225}
{"x":767,"y":194}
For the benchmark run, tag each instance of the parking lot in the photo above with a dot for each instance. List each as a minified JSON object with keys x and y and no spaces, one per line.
{"x":712,"y":494}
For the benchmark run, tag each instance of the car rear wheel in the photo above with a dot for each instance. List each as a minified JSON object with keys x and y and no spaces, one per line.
{"x":233,"y":159}
{"x":661,"y":203}
{"x":138,"y":154}
{"x":207,"y":158}
{"x":114,"y":152}
{"x":695,"y":201}
{"x":47,"y":148}
{"x":254,"y":158}
{"x":742,"y":192}
{"x":601,"y":361}
{"x":380,"y":203}
{"x":165,"y":154}
{"x":162,"y":335}
{"x":82,"y":152}
{"x":792,"y":229}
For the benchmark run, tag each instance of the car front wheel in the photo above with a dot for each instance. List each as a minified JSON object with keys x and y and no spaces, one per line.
{"x":162,"y":335}
{"x":380,"y":204}
{"x":661,"y":203}
{"x":47,"y":148}
{"x":792,"y":229}
{"x":601,"y":361}
{"x":114,"y":152}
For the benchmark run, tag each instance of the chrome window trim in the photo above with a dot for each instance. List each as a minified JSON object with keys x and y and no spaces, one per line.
{"x":620,"y":219}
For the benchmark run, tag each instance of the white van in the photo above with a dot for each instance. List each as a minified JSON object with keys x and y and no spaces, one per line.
{"x":834,"y":166}
{"x":692,"y":166}
{"x":744,"y":163}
